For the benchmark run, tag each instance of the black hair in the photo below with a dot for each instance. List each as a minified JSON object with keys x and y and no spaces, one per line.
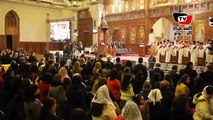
{"x":126,"y":81}
{"x":183,"y":79}
{"x":137,"y":99}
{"x":101,"y":82}
{"x":179,"y":104}
{"x":76,"y":80}
{"x":140,"y":60}
{"x":46,"y":77}
{"x":209,"y":90}
{"x":56,"y":80}
{"x":174,"y":67}
{"x":47,"y":105}
{"x":189,"y":64}
{"x":168,"y":78}
{"x":128,"y":63}
{"x":118,"y":59}
{"x":113,"y":74}
{"x":78,"y":114}
{"x":30,"y":93}
{"x":97,"y":109}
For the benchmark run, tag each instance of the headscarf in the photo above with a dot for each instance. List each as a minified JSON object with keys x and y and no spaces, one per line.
{"x":155,"y":96}
{"x":63,"y":72}
{"x":131,"y":111}
{"x":102,"y":96}
{"x":204,"y":93}
{"x":68,"y":63}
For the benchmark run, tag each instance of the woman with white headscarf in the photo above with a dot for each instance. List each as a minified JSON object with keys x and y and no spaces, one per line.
{"x":203,"y":104}
{"x":102,"y":106}
{"x":130,"y":111}
{"x":154,"y":109}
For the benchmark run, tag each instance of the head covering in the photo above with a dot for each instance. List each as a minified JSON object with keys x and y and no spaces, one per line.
{"x":102,"y":96}
{"x":131,"y":111}
{"x":68,"y":62}
{"x":155,"y":96}
{"x":63,"y":72}
{"x":204,"y":93}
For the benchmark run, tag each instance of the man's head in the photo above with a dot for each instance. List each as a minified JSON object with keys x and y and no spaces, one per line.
{"x":140,"y":60}
{"x":189,"y":64}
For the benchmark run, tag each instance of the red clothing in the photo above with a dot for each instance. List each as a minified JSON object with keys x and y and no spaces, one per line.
{"x":44,"y":89}
{"x":120,"y":117}
{"x":114,"y":87}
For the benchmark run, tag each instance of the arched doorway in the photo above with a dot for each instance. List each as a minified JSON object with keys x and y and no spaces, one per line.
{"x":11,"y":29}
{"x":161,"y":30}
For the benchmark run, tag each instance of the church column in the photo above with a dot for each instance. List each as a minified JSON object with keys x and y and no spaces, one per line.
{"x":74,"y":26}
{"x":96,"y":12}
{"x":147,"y":24}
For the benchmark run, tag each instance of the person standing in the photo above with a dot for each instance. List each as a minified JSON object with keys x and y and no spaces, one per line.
{"x":194,"y":53}
{"x":168,"y":52}
{"x":159,"y":49}
{"x":141,"y":67}
{"x":151,"y":61}
{"x":202,"y":104}
{"x":180,"y":53}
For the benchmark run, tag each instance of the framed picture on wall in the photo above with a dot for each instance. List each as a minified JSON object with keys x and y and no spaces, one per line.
{"x":133,"y":35}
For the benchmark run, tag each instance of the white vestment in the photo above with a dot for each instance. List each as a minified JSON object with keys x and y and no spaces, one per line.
{"x":186,"y":52}
{"x":174,"y":51}
{"x":207,"y":52}
{"x":180,"y":54}
{"x":168,"y":53}
{"x":163,"y":50}
{"x":194,"y":53}
{"x":159,"y":49}
{"x":201,"y":52}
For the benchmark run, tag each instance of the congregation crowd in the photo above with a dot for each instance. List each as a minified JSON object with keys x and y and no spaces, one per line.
{"x":94,"y":89}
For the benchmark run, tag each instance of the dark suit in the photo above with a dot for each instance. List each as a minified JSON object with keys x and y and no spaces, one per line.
{"x":141,"y":67}
{"x":175,"y":77}
{"x":102,"y":63}
{"x":207,"y":76}
{"x":157,"y":70}
{"x":188,"y":70}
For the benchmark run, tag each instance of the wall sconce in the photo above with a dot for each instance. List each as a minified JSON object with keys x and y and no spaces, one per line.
{"x":94,"y":30}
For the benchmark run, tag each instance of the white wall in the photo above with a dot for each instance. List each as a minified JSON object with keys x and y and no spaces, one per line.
{"x":157,"y":28}
{"x":162,"y":26}
{"x":33,"y":25}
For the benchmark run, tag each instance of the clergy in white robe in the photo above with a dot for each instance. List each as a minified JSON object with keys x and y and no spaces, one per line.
{"x":168,"y":53}
{"x":186,"y":51}
{"x":174,"y":51}
{"x":201,"y":52}
{"x":194,"y":54}
{"x":163,"y":49}
{"x":180,"y":53}
{"x":159,"y":49}
{"x":207,"y":52}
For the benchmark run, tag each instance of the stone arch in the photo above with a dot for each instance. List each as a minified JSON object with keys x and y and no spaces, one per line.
{"x":12,"y":31}
{"x":11,"y":23}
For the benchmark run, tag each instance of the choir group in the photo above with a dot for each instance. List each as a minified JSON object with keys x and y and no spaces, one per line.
{"x":194,"y":51}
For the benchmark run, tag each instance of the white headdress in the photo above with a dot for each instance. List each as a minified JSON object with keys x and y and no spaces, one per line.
{"x":102,"y":96}
{"x":131,"y":111}
{"x":155,"y":96}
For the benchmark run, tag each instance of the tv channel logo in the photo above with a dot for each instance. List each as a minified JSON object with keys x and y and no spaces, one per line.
{"x":182,"y":18}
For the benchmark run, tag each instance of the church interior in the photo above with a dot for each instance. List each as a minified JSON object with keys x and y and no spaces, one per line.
{"x":98,"y":59}
{"x":137,"y":26}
